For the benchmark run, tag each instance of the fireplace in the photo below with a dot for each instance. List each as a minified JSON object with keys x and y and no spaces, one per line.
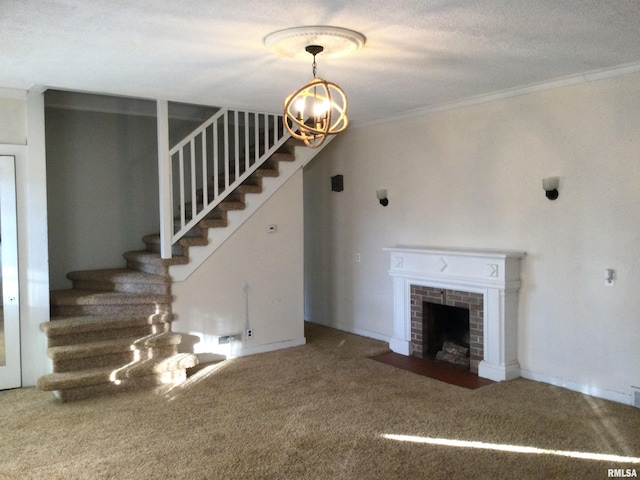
{"x":439,"y":315}
{"x":484,"y":282}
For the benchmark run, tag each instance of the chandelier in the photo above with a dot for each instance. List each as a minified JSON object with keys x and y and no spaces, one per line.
{"x":316,"y":110}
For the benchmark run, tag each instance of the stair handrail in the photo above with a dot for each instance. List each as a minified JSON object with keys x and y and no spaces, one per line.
{"x":225,"y":152}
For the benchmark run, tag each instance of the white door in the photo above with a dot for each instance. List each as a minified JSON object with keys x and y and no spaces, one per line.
{"x":10,"y":375}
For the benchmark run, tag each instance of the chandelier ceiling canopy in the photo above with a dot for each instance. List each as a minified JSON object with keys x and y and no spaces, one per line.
{"x":336,"y":41}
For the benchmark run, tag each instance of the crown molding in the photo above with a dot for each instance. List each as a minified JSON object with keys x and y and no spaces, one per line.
{"x":594,"y":76}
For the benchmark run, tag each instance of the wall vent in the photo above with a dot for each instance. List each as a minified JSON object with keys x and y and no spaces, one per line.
{"x":230,"y":339}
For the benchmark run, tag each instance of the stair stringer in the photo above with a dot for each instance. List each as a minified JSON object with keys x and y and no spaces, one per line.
{"x":235,"y":219}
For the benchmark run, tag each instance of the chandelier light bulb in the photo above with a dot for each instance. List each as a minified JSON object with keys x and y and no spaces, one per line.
{"x":300,"y":107}
{"x":321,"y":108}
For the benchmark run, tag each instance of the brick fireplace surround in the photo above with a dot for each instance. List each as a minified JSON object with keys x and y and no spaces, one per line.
{"x":453,"y":298}
{"x":488,"y":277}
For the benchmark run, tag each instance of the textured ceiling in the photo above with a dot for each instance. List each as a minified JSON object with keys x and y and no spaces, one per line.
{"x":418,"y":54}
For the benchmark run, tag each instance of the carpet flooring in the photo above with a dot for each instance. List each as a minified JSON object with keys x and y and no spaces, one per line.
{"x":320,"y":411}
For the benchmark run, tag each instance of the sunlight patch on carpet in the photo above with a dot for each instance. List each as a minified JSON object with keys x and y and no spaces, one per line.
{"x":511,"y":448}
{"x":196,"y":378}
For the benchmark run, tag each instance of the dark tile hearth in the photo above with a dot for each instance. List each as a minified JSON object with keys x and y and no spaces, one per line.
{"x":434,"y":369}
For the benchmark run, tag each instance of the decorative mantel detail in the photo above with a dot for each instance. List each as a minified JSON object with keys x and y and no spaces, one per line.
{"x":493,"y":273}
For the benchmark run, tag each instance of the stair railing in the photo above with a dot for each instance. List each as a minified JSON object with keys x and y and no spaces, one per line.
{"x":204,"y":169}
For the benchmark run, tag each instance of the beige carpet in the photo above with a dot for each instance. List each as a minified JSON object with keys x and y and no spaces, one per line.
{"x":314,"y":412}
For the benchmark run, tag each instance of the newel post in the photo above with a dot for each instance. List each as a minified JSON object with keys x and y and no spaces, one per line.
{"x":164,"y":178}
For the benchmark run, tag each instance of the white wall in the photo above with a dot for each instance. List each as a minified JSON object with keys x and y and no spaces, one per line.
{"x":102,"y":182}
{"x":13,"y":121}
{"x":211,"y":302}
{"x":471,"y":177}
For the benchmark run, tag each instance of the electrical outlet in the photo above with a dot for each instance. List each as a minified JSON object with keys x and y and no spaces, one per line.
{"x":358,"y":258}
{"x":249,"y":333}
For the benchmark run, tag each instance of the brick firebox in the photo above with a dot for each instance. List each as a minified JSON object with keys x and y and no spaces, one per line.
{"x":454,"y":298}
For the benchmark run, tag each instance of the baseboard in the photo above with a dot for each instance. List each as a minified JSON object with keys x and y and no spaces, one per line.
{"x":498,"y":373}
{"x":355,"y":331}
{"x":400,"y":346}
{"x":619,"y":397}
{"x":269,"y":347}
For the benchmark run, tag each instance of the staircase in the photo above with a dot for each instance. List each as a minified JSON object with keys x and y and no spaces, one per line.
{"x":111,"y":332}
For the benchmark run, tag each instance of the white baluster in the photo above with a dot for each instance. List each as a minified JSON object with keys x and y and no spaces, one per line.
{"x":205,"y":183}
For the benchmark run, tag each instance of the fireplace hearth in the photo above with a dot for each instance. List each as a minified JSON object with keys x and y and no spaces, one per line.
{"x":484,"y":281}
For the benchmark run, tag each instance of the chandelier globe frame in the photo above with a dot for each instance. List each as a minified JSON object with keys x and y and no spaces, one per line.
{"x":317,"y":109}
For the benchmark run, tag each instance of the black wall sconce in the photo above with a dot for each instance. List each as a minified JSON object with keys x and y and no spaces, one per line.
{"x":337,"y":184}
{"x":382,"y":197}
{"x":550,"y":186}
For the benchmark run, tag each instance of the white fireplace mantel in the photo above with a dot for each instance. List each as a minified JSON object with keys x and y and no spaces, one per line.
{"x":493,"y":273}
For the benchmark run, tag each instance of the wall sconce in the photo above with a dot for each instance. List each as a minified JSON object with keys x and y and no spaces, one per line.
{"x":382,"y":197}
{"x":550,"y":186}
{"x":337,"y":183}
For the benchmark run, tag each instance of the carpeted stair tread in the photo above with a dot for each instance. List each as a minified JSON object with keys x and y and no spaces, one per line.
{"x":89,"y":323}
{"x":110,"y":375}
{"x":153,"y":258}
{"x":119,"y":275}
{"x":231,"y":205}
{"x":68,"y":380}
{"x":192,"y":241}
{"x":193,"y":232}
{"x":181,"y":247}
{"x":266,"y":172}
{"x":120,"y":280}
{"x":106,"y":347}
{"x":249,"y":188}
{"x":283,"y":157}
{"x":293,"y":142}
{"x":179,"y":361}
{"x":215,"y":218}
{"x":213,"y":223}
{"x":94,"y":297}
{"x":160,"y":383}
{"x":251,"y":185}
{"x":236,"y":197}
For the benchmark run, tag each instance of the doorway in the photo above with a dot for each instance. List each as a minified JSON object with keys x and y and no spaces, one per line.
{"x":10,"y":372}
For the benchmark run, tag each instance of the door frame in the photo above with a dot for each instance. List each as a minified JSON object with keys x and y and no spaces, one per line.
{"x":11,"y":372}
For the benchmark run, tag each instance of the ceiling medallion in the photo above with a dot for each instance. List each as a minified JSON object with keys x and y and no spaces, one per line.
{"x":336,"y":41}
